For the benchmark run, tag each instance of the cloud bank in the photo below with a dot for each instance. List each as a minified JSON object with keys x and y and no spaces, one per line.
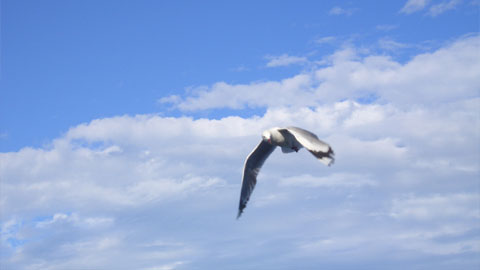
{"x":348,"y":75}
{"x":156,"y":192}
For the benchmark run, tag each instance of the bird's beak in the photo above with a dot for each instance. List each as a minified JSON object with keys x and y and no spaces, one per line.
{"x":269,"y":141}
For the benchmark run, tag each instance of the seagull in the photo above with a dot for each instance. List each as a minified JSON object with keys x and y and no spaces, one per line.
{"x":290,"y":139}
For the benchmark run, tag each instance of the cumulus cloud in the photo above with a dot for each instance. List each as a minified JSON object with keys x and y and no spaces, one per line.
{"x":158,"y":192}
{"x":293,"y":90}
{"x":351,"y":75}
{"x":134,"y":163}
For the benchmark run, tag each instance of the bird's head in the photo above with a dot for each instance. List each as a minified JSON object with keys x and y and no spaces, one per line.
{"x":267,"y":136}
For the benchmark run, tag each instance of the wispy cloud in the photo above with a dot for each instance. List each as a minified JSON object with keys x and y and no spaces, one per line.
{"x":285,"y":60}
{"x":75,"y":219}
{"x":390,"y":44}
{"x":240,"y":69}
{"x":386,"y":27}
{"x":325,"y":40}
{"x":341,"y":11}
{"x":442,"y":7}
{"x":413,"y":6}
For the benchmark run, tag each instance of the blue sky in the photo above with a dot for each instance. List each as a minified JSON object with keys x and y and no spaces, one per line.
{"x":124,"y":126}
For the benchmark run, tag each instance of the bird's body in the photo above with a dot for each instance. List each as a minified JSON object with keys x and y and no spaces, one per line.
{"x":285,"y":140}
{"x":289,"y":139}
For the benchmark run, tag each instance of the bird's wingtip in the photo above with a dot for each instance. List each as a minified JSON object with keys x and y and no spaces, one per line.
{"x":327,"y":160}
{"x":240,"y":210}
{"x":239,"y":214}
{"x":331,"y":162}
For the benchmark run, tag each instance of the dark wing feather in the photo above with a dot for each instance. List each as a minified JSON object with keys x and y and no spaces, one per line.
{"x":252,"y":166}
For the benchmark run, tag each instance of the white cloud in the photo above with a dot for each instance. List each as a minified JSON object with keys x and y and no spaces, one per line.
{"x":386,"y":27}
{"x":414,"y":5}
{"x":341,"y":11}
{"x":324,"y":40}
{"x":170,"y":266}
{"x":364,"y":115}
{"x":391,"y":45}
{"x":259,"y":94}
{"x":434,"y":10}
{"x":269,"y":199}
{"x":431,"y":241}
{"x":285,"y":60}
{"x":348,"y":75}
{"x":457,"y":206}
{"x":76,"y":220}
{"x":440,"y":8}
{"x":339,"y":180}
{"x":155,"y":192}
{"x":170,"y":99}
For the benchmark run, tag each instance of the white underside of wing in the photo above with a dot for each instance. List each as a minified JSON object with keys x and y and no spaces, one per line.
{"x":252,"y":166}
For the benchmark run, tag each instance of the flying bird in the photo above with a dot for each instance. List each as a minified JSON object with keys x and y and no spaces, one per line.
{"x":289,"y":139}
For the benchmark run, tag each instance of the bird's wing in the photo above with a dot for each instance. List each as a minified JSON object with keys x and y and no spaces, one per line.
{"x":310,"y":141}
{"x":252,"y":166}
